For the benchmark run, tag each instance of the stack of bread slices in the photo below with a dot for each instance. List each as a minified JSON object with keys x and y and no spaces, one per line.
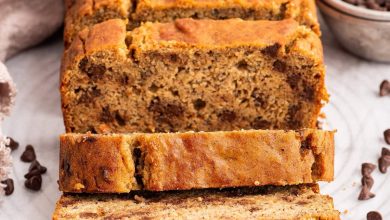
{"x":193,"y":109}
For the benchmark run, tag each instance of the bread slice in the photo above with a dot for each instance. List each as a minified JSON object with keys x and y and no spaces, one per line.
{"x":288,"y":203}
{"x":193,"y":75}
{"x":120,"y":163}
{"x":85,"y":13}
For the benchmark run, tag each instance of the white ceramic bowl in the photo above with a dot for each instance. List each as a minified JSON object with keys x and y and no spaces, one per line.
{"x":363,"y":32}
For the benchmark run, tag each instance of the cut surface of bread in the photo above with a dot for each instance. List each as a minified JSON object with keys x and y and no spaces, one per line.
{"x":120,"y":163}
{"x":193,"y":75}
{"x":85,"y":13}
{"x":269,"y":203}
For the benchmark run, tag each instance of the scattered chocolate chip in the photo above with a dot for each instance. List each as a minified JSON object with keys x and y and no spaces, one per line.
{"x":385,"y":152}
{"x":35,"y":169}
{"x":367,"y":169}
{"x":384,"y":163}
{"x":34,"y":183}
{"x":9,"y":186}
{"x":28,"y":154}
{"x":365,"y":194}
{"x":13,"y":145}
{"x":379,"y":5}
{"x":386,"y":135}
{"x":373,"y":215}
{"x":368,"y":181}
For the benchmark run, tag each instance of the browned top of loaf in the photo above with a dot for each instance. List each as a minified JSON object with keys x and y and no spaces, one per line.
{"x":224,"y":33}
{"x":111,"y":35}
{"x":295,"y":202}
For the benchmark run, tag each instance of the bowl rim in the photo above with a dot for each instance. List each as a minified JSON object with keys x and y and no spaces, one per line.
{"x":356,"y":11}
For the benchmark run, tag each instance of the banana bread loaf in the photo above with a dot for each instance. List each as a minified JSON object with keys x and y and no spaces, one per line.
{"x":269,"y":203}
{"x":85,"y":13}
{"x":193,"y":75}
{"x":120,"y":163}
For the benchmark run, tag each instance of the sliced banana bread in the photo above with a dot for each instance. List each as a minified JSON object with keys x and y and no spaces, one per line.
{"x":270,"y":203}
{"x":85,"y":13}
{"x":120,"y":163}
{"x":193,"y":75}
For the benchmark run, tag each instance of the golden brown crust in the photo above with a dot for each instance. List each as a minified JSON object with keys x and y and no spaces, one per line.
{"x":85,"y":13}
{"x":290,"y":202}
{"x":180,"y":161}
{"x":108,"y":157}
{"x":81,"y":14}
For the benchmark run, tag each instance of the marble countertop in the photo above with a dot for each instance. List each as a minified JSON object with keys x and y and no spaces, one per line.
{"x":355,"y":110}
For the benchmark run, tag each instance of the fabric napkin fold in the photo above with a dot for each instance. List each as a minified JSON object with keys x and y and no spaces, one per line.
{"x":23,"y":23}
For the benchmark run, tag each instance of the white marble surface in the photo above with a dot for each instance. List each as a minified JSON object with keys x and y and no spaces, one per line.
{"x":355,"y":110}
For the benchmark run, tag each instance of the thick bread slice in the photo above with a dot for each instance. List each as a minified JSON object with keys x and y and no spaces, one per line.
{"x":270,"y":203}
{"x":85,"y":13}
{"x":193,"y":75}
{"x":120,"y":163}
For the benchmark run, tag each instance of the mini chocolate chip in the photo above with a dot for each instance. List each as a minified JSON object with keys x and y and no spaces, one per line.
{"x":35,"y":169}
{"x":34,"y":183}
{"x":106,"y":174}
{"x":280,"y":66}
{"x":13,"y":145}
{"x":365,"y":194}
{"x":373,"y":215}
{"x":35,"y":165}
{"x":272,"y":50}
{"x":385,"y":152}
{"x":28,"y":154}
{"x":32,"y":173}
{"x":227,"y":115}
{"x":368,"y":181}
{"x":9,"y":186}
{"x":386,"y":135}
{"x":384,"y":163}
{"x":367,"y":169}
{"x":199,"y":104}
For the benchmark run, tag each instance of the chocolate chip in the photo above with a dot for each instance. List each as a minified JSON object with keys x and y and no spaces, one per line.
{"x":272,"y":50}
{"x":35,"y":169}
{"x":242,"y":65}
{"x":260,"y":123}
{"x":385,"y":152}
{"x":106,"y":115}
{"x":280,"y":66}
{"x":13,"y":145}
{"x":367,"y":169}
{"x":94,"y":71}
{"x":365,"y":194}
{"x":373,"y":215}
{"x":34,"y":183}
{"x":29,"y":154}
{"x":368,"y":181}
{"x":66,"y":167}
{"x":384,"y":163}
{"x":227,"y":115}
{"x":199,"y":104}
{"x":106,"y":174}
{"x":386,"y":135}
{"x":35,"y":165}
{"x":9,"y":186}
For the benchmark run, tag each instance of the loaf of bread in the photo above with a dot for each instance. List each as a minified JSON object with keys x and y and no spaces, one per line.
{"x":85,"y":13}
{"x":270,"y":203}
{"x":193,"y":75}
{"x":120,"y":163}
